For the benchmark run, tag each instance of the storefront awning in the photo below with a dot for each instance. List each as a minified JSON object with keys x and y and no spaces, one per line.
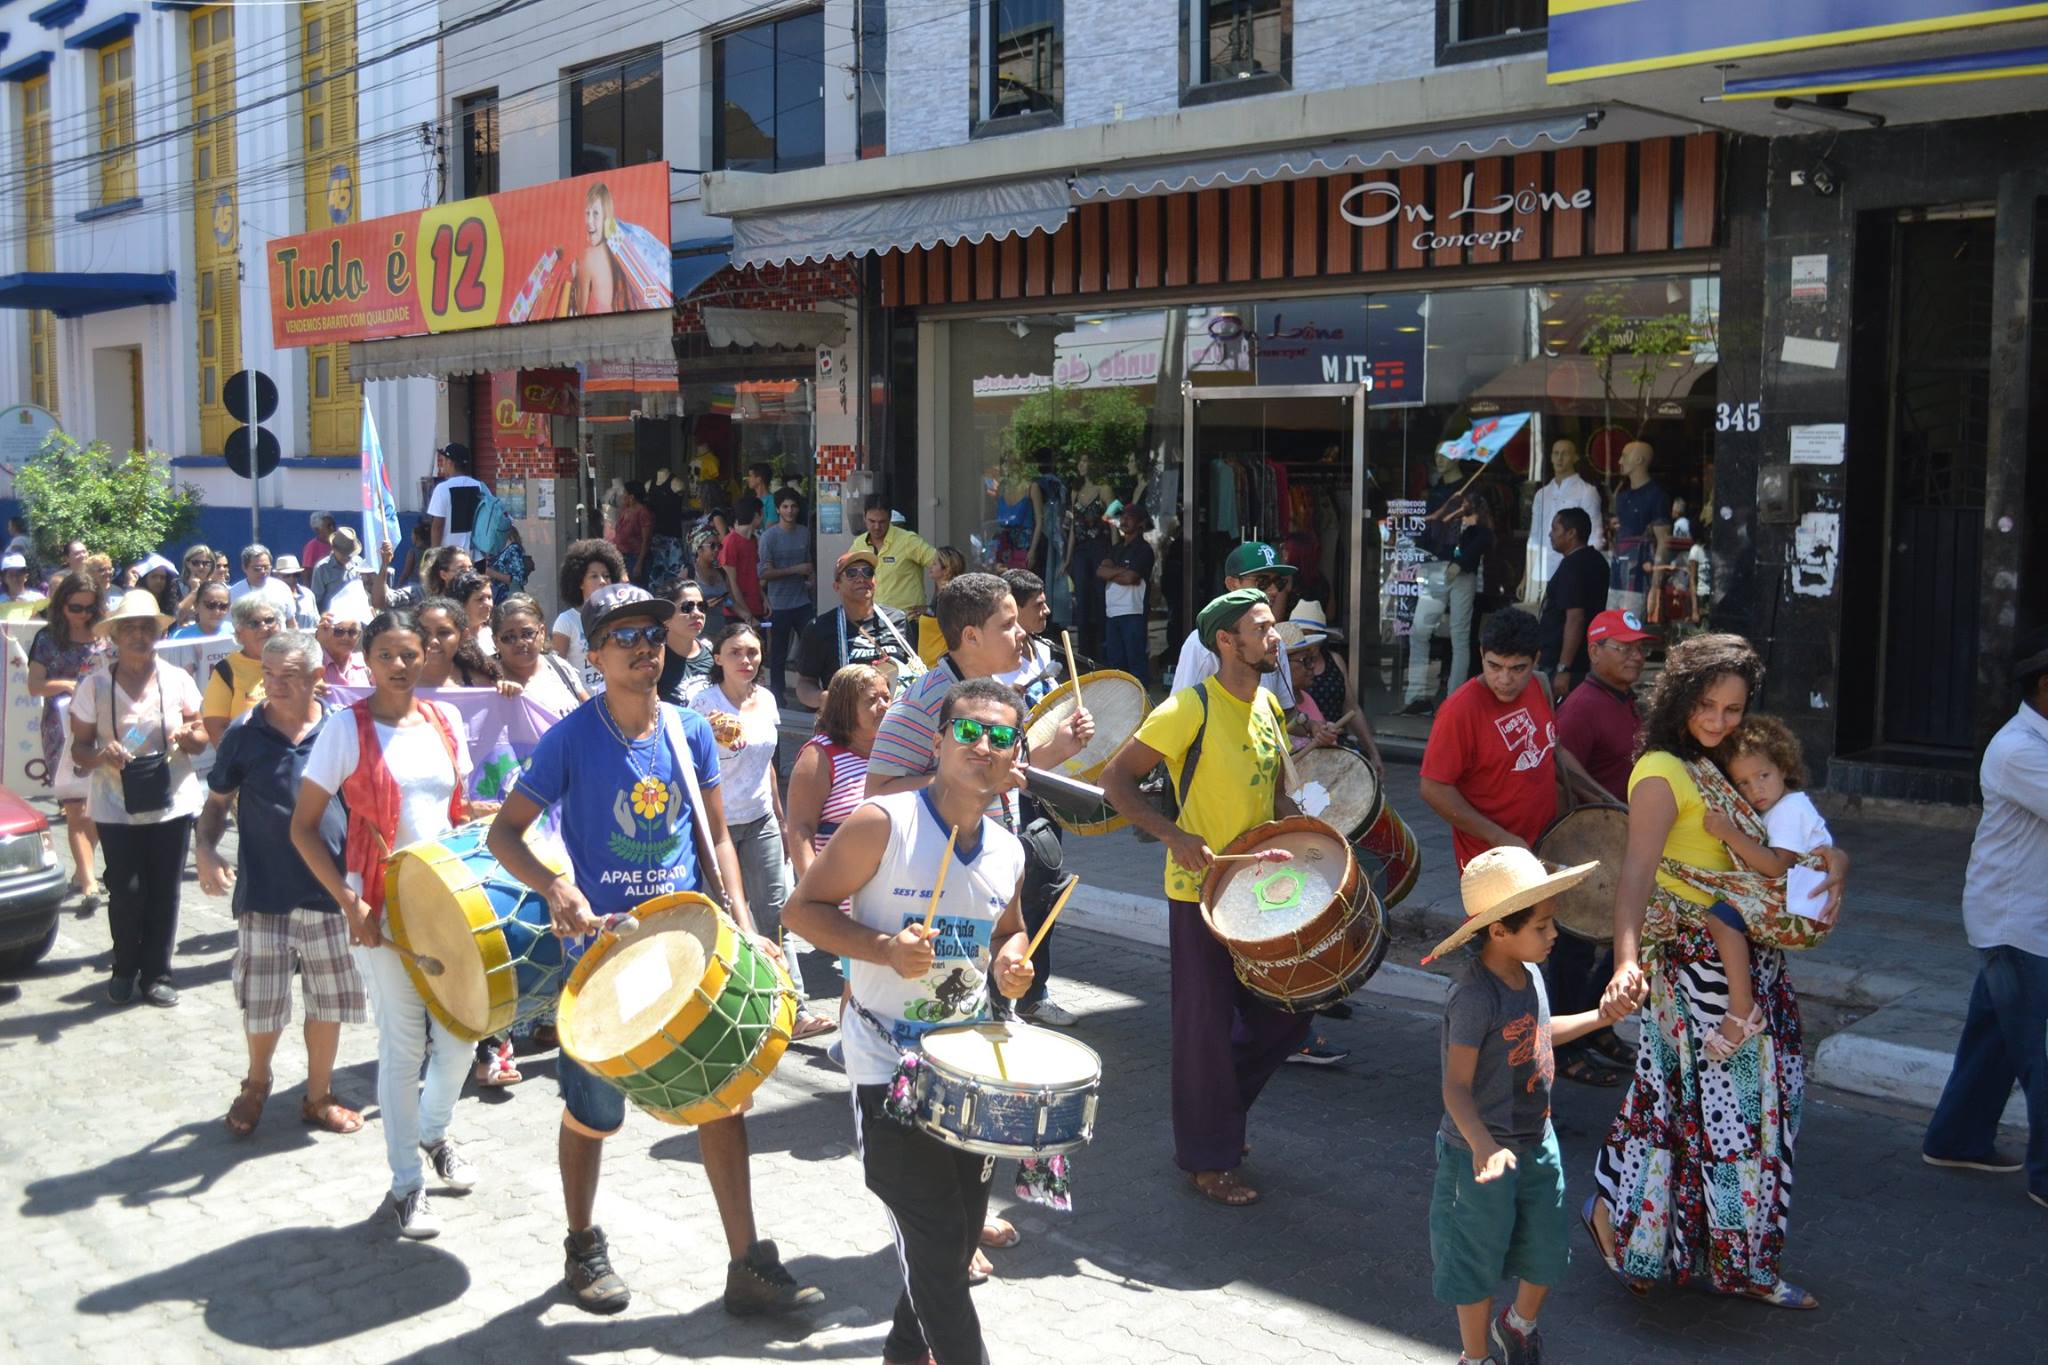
{"x":1576,"y":382}
{"x":1011,"y":208}
{"x":532,"y":346}
{"x":763,"y":327}
{"x":74,"y":294}
{"x":1293,"y":163}
{"x":687,"y":273}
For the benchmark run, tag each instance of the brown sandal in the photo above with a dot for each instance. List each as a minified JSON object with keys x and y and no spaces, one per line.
{"x":247,"y":1109}
{"x":1223,"y":1187}
{"x":329,"y":1114}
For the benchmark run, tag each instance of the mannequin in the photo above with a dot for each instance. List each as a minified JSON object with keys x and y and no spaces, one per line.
{"x":1642,"y":527}
{"x":1447,"y":583}
{"x":1087,"y":546}
{"x":1565,"y":489}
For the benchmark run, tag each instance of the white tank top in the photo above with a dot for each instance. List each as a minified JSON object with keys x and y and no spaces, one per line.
{"x":955,"y":991}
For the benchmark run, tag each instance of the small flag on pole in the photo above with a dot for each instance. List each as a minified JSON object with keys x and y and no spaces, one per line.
{"x":380,"y":505}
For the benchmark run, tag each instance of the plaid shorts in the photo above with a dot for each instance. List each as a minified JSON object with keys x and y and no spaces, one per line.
{"x":265,"y":946}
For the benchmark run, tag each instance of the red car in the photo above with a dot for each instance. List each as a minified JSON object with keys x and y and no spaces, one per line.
{"x":32,"y":884}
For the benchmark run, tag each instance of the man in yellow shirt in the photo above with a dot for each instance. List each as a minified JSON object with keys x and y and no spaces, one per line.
{"x":902,"y":559}
{"x":1222,"y":741}
{"x":235,"y":683}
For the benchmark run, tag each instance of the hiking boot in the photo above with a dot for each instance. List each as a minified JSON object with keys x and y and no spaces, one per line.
{"x":416,"y":1218}
{"x":451,"y":1167}
{"x":597,"y":1287}
{"x":759,"y":1284}
{"x":1513,"y":1347}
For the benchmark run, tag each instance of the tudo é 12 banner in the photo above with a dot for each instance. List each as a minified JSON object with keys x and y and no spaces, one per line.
{"x":570,"y":248}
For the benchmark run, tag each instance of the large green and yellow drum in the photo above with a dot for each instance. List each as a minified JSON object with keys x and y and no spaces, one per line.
{"x":685,"y":1018}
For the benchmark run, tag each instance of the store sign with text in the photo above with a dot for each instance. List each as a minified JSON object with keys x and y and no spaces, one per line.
{"x":1380,"y":339}
{"x":551,"y":393}
{"x":1483,"y":224}
{"x":570,"y":248}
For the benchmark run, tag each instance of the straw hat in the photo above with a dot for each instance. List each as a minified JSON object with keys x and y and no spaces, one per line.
{"x":135,"y":605}
{"x":1501,"y":881}
{"x":1294,"y":635}
{"x":1310,"y":614}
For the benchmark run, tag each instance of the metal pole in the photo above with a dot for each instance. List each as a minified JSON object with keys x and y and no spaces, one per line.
{"x":249,"y":397}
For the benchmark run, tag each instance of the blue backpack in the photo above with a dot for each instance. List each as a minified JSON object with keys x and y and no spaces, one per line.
{"x":492,"y":526}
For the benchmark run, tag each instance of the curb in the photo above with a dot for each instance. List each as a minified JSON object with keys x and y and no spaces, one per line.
{"x":1866,"y":1065}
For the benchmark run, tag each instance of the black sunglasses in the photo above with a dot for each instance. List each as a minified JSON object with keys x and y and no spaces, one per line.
{"x":632,"y":637}
{"x":857,"y":571}
{"x":694,"y":608}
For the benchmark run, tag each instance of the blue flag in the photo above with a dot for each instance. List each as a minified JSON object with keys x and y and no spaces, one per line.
{"x":1487,"y":438}
{"x":380,"y":505}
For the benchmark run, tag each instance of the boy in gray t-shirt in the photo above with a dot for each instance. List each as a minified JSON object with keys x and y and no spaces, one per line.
{"x":788,"y":578}
{"x":1497,"y":1210}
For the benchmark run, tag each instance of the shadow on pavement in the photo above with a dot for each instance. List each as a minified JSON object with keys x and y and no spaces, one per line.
{"x":189,"y":1159}
{"x":409,"y":1278}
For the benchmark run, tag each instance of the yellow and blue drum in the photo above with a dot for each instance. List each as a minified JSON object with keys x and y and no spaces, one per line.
{"x":447,"y":898}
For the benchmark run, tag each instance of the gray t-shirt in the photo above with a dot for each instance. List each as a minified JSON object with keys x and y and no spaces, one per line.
{"x":786,"y":549}
{"x":1511,"y":1029}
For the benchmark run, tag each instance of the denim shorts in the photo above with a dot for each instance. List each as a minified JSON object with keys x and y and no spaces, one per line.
{"x":1513,"y":1228}
{"x":595,"y":1108}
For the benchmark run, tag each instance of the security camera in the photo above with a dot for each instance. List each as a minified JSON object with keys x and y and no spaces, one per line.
{"x":1823,"y":178}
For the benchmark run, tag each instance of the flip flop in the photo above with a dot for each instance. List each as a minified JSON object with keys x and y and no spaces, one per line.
{"x":1223,"y":1188}
{"x":1641,"y":1291}
{"x":1005,"y":1234}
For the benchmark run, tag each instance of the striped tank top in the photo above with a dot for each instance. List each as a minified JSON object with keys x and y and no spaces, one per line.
{"x":849,"y":777}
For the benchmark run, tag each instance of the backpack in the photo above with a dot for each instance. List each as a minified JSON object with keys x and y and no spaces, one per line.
{"x":491,"y":527}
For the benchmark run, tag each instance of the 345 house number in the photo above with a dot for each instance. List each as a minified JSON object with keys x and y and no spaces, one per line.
{"x":1738,"y":417}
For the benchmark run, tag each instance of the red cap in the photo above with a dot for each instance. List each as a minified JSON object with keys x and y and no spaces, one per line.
{"x":1625,"y":626}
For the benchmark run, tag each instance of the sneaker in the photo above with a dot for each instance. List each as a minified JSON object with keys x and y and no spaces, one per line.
{"x":1999,"y":1163}
{"x":121,"y":989}
{"x":162,"y":994}
{"x":1318,"y":1053}
{"x":1511,"y":1347}
{"x":759,"y":1284}
{"x":1044,"y":1011}
{"x":2041,"y":1199}
{"x":1336,"y":1009}
{"x":416,"y":1218}
{"x":451,"y":1166}
{"x":597,"y":1287}
{"x":836,"y":1054}
{"x":1421,"y":706}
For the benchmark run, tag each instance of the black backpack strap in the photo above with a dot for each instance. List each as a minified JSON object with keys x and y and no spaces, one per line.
{"x":222,"y":671}
{"x":1187,"y":771}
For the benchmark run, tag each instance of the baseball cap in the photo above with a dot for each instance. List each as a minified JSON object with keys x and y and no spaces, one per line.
{"x":619,"y":601}
{"x":13,"y":561}
{"x":1623,"y":626}
{"x":1254,"y":556}
{"x":857,"y":555}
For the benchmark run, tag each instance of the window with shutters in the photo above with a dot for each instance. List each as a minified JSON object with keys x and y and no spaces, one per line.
{"x":35,"y":165}
{"x":216,"y":226}
{"x":327,"y":32}
{"x":117,"y":121}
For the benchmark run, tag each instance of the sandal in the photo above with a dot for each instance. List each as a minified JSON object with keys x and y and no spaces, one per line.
{"x":1635,"y":1287}
{"x":1000,"y":1233}
{"x":1609,"y":1045}
{"x":1577,"y":1068}
{"x":1783,"y":1294}
{"x":329,"y":1114}
{"x":1720,"y":1047}
{"x":979,"y":1269}
{"x":1223,"y":1187}
{"x":247,"y":1110}
{"x":495,"y":1067}
{"x":810,"y":1025}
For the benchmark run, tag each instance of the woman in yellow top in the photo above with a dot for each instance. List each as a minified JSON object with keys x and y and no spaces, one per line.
{"x":947,"y":565}
{"x":235,"y":683}
{"x":1695,"y":1179}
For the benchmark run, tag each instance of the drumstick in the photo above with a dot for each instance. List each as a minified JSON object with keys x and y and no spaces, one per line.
{"x":1002,"y":1072}
{"x":1046,"y":927}
{"x":939,"y":888}
{"x":1264,"y":855}
{"x":428,"y":966}
{"x":1067,"y":644}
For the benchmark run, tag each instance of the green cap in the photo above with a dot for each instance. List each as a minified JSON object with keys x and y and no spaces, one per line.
{"x":1225,"y":612}
{"x":1254,"y":556}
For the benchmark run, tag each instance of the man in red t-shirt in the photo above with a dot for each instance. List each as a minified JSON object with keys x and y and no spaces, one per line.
{"x":742,"y":557}
{"x":1491,"y":768}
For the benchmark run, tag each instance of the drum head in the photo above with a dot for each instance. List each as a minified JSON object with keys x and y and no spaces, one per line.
{"x":643,"y":982}
{"x":1338,"y":788}
{"x":1255,"y":902}
{"x":1590,"y":834}
{"x":1013,"y":1054}
{"x":1116,"y":701}
{"x":430,"y":884}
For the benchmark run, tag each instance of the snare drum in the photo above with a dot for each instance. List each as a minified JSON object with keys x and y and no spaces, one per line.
{"x":1591,"y":834}
{"x":684,"y":1018}
{"x":1007,"y":1089}
{"x":1339,"y":788}
{"x":1304,"y":933}
{"x":1393,"y":859}
{"x":1117,"y":702}
{"x":501,"y":963}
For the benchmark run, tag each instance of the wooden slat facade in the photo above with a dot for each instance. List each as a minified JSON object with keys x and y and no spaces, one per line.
{"x":1642,"y":197}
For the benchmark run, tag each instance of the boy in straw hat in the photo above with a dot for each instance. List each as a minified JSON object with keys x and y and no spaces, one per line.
{"x":1498,"y":1207}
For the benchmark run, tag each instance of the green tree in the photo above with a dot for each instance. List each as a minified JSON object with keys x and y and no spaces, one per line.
{"x":121,"y":506}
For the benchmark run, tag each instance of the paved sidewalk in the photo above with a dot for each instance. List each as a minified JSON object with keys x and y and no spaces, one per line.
{"x":140,"y":1229}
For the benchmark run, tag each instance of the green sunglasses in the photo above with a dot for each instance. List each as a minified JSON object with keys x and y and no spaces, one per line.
{"x":968,"y":732}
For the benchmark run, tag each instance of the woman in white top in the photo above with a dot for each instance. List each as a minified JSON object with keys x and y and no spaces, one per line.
{"x":473,"y":591}
{"x":401,"y":767}
{"x":528,"y":666}
{"x":747,"y":724}
{"x":134,"y":728}
{"x":587,"y":565}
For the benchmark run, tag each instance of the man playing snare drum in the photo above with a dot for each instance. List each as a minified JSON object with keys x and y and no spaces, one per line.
{"x":1222,"y":741}
{"x":908,"y":979}
{"x":627,"y":777}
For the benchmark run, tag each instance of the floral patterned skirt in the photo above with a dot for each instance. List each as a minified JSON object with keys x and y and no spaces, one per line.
{"x":1697,"y":1167}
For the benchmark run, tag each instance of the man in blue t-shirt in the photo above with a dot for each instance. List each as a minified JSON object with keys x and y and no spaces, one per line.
{"x":624,"y":774}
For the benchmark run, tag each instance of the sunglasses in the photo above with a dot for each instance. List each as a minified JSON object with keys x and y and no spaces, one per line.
{"x":968,"y":732}
{"x":857,"y":571}
{"x":264,"y":623}
{"x":693,"y":608}
{"x":214,"y":606}
{"x":74,"y":609}
{"x":632,"y":637}
{"x":519,"y":637}
{"x":344,"y":632}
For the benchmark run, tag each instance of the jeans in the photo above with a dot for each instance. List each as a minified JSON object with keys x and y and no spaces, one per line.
{"x":1123,"y":646}
{"x":409,"y":1038}
{"x":1441,"y":595}
{"x":784,"y":625}
{"x":2005,"y":1039}
{"x":145,"y":869}
{"x":764,"y":876}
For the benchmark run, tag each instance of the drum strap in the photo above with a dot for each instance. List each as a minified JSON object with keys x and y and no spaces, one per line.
{"x":707,"y":854}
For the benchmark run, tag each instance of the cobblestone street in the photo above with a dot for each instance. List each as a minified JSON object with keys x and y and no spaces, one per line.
{"x":142,"y":1230}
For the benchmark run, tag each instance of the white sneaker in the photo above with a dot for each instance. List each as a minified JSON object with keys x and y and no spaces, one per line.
{"x":1047,"y":1013}
{"x":451,"y":1166}
{"x":416,"y":1216}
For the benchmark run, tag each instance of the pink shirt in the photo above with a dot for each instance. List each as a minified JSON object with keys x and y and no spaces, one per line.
{"x":354,"y":673}
{"x":315,"y":551}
